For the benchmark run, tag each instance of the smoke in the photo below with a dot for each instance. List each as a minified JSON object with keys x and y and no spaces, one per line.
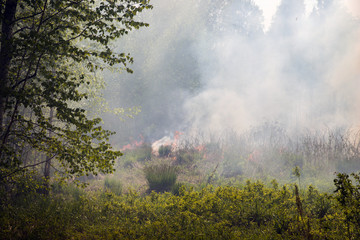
{"x":303,"y":73}
{"x":353,"y":7}
{"x":209,"y":66}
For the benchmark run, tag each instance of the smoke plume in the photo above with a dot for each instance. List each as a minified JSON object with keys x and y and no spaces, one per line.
{"x":210,"y":66}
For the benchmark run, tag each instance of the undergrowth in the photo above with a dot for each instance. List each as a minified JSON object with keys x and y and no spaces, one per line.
{"x":250,"y":211}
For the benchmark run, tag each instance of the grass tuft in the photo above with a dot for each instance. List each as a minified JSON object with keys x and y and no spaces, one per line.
{"x":161,"y":178}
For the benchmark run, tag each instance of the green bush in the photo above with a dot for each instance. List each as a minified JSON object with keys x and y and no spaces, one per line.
{"x":176,"y":189}
{"x":348,"y":196}
{"x":113,"y":185}
{"x":232,"y":168}
{"x":253,"y":211}
{"x":160,"y":177}
{"x":164,"y":150}
{"x":142,"y":153}
{"x":139,"y":154}
{"x":183,"y":157}
{"x":188,"y":156}
{"x":70,"y":190}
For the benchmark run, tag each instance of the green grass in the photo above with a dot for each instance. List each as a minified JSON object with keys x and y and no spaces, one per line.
{"x":113,"y":185}
{"x":161,"y":177}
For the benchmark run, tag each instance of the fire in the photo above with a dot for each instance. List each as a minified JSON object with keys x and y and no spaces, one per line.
{"x":134,"y":144}
{"x":165,"y":141}
{"x":172,"y":142}
{"x":200,"y":148}
{"x":175,"y":143}
{"x":254,"y":156}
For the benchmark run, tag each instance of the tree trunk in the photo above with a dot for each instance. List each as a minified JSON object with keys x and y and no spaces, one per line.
{"x":6,"y":56}
{"x":48,"y":159}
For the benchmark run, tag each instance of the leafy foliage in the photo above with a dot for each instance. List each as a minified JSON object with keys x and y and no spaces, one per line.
{"x":42,"y":44}
{"x":349,"y":199}
{"x":251,"y":211}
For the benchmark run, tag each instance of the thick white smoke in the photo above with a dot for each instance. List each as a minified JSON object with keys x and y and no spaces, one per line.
{"x":208,"y":65}
{"x":353,"y":7}
{"x":304,"y":72}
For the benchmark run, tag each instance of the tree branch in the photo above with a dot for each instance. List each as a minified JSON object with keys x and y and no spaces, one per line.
{"x":29,"y":76}
{"x":24,"y":167}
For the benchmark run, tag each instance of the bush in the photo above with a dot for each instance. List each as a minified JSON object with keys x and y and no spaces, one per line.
{"x":138,"y":154}
{"x":113,"y":185}
{"x":348,"y":195}
{"x":252,"y":211}
{"x":176,"y":188}
{"x":186,"y":156}
{"x":232,"y":168}
{"x":160,"y":177}
{"x":70,"y":190}
{"x":164,"y":150}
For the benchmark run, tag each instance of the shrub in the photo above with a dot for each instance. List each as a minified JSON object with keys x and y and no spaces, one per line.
{"x":113,"y":185}
{"x":70,"y":190}
{"x":142,"y":153}
{"x":184,"y":157}
{"x":348,"y":195}
{"x":160,"y":177}
{"x":139,"y":154}
{"x":253,"y":211}
{"x":232,"y":168}
{"x":176,"y":188}
{"x":164,"y":150}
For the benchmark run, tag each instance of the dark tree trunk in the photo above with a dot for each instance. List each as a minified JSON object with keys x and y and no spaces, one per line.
{"x":7,"y":24}
{"x":48,"y":159}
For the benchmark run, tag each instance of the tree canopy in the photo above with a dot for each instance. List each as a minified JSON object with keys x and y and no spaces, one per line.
{"x":44,"y":43}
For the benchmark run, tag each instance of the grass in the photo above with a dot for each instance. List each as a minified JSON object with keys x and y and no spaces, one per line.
{"x":113,"y":185}
{"x":262,"y":153}
{"x":160,"y":177}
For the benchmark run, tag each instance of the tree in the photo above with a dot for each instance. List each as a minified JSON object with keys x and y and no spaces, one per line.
{"x":42,"y":44}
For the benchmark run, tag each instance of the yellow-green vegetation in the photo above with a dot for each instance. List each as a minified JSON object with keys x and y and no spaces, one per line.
{"x":250,"y":211}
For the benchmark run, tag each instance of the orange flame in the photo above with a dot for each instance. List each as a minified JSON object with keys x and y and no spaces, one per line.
{"x":134,"y":144}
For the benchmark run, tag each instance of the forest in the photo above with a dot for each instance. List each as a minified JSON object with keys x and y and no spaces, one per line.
{"x":194,"y":119}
